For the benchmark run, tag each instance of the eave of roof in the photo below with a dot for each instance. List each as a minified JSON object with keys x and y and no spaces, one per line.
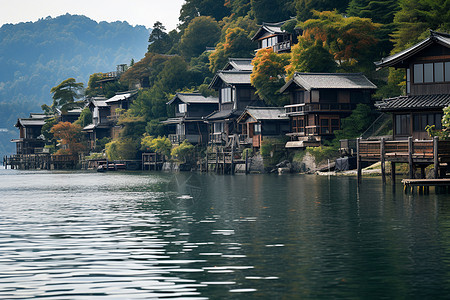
{"x":414,"y":102}
{"x":435,"y":37}
{"x":230,"y":77}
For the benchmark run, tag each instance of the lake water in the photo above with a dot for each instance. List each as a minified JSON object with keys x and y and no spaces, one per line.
{"x":78,"y":235}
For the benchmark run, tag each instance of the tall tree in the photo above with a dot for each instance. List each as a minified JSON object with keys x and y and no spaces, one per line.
{"x":70,"y":136}
{"x":201,"y":33}
{"x":272,"y":10}
{"x":237,"y":44}
{"x":414,"y":19}
{"x":305,"y":8}
{"x":159,"y":40}
{"x":308,"y":56}
{"x":192,"y":9}
{"x":351,"y":40}
{"x":64,"y":94}
{"x":268,"y":76}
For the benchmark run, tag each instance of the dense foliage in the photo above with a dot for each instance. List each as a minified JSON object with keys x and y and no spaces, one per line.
{"x":334,"y":36}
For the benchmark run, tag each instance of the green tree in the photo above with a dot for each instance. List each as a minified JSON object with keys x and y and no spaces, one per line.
{"x":305,"y":8}
{"x":237,"y":44}
{"x":310,"y":57}
{"x":192,"y":9}
{"x":64,"y":94}
{"x":272,"y":10}
{"x":85,"y":118}
{"x":159,"y":40}
{"x":268,"y":76}
{"x":70,"y":137}
{"x":123,"y":148}
{"x":201,"y":32}
{"x":352,"y":40}
{"x":160,"y":144}
{"x":416,"y":17}
{"x":355,"y":124}
{"x":239,"y":8}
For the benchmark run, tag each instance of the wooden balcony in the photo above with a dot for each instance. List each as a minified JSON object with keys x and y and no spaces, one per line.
{"x":176,"y":139}
{"x":282,"y":47}
{"x":301,"y":109}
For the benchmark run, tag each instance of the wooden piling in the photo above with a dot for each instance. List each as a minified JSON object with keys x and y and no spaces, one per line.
{"x":435,"y":157}
{"x":393,"y":172}
{"x":410,"y":157}
{"x":358,"y":160}
{"x":383,"y":161}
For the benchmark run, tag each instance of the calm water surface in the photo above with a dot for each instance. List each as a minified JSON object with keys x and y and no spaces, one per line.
{"x":75,"y":235}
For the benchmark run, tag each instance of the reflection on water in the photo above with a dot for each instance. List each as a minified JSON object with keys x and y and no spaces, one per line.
{"x":74,"y":235}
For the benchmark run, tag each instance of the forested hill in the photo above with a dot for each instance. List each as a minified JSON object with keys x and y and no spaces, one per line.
{"x":36,"y":56}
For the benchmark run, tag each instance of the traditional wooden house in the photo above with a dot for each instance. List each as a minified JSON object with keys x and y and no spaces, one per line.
{"x":188,"y":124}
{"x":427,"y":73}
{"x":272,"y":35}
{"x":235,"y":94}
{"x":318,"y":102}
{"x":239,"y":64}
{"x":258,"y":123}
{"x":30,"y":139}
{"x":70,"y":115}
{"x":101,"y":124}
{"x":117,"y":105}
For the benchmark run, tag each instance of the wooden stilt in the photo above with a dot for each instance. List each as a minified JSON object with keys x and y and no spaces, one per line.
{"x":393,"y":172}
{"x":358,"y":160}
{"x":383,"y":161}
{"x":435,"y":156}
{"x":410,"y":157}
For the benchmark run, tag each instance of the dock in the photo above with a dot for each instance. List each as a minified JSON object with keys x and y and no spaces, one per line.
{"x":423,"y":185}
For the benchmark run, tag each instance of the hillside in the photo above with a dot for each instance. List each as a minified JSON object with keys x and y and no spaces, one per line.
{"x":36,"y":56}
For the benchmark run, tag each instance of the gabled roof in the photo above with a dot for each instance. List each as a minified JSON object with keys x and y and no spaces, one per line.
{"x":311,"y":81}
{"x":24,"y":122}
{"x":264,"y":113}
{"x":435,"y":37}
{"x":239,"y":64}
{"x":189,"y":98}
{"x":231,"y":78}
{"x":121,"y":96}
{"x":98,"y":103}
{"x":417,"y":102}
{"x":39,"y":116}
{"x":270,"y":28}
{"x":223,"y":115}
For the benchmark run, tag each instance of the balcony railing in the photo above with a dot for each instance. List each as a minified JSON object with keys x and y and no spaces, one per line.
{"x":283,"y":46}
{"x":176,"y":139}
{"x":318,"y":107}
{"x":218,"y":138}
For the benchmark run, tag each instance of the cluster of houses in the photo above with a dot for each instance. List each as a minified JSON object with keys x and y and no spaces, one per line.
{"x":318,"y":102}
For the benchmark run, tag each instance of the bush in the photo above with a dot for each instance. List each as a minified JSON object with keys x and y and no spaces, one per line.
{"x":184,"y":152}
{"x":322,"y":153}
{"x":160,"y":144}
{"x":125,"y":148}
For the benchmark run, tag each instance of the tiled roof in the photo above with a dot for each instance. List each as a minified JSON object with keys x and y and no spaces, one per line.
{"x":194,"y":98}
{"x":231,"y":77}
{"x":223,"y":114}
{"x":435,"y":37}
{"x":239,"y":64}
{"x":121,"y":96}
{"x":30,"y":122}
{"x":265,"y":113}
{"x":271,"y":28}
{"x":418,"y":102}
{"x":310,"y":81}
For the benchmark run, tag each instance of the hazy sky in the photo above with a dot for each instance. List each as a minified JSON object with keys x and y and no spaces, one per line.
{"x":135,"y":12}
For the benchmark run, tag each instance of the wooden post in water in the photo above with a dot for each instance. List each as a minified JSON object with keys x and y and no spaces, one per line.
{"x":206,"y":160}
{"x":383,"y":161}
{"x":358,"y":160}
{"x":232,"y":160}
{"x":393,"y":172}
{"x":410,"y":157}
{"x":246,"y":162}
{"x":436,"y":157}
{"x":217,"y":160}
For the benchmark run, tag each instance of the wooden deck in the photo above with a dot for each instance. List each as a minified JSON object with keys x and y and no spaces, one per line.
{"x":423,"y":185}
{"x":417,"y":153}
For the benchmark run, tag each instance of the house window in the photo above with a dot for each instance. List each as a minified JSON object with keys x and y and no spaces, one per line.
{"x":430,"y":72}
{"x":218,"y":127}
{"x":182,"y":108}
{"x":420,"y":121}
{"x":257,"y":128}
{"x":328,"y":125}
{"x":402,"y":124}
{"x":298,"y":125}
{"x":418,"y":73}
{"x":299,"y":97}
{"x":439,"y":72}
{"x":226,"y":95}
{"x":328,"y":96}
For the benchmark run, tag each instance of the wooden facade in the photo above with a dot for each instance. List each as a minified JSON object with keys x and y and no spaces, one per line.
{"x":319,"y":101}
{"x":271,"y":35}
{"x":30,"y":140}
{"x":235,"y":94}
{"x":188,"y":124}
{"x":258,"y":123}
{"x":427,"y":72}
